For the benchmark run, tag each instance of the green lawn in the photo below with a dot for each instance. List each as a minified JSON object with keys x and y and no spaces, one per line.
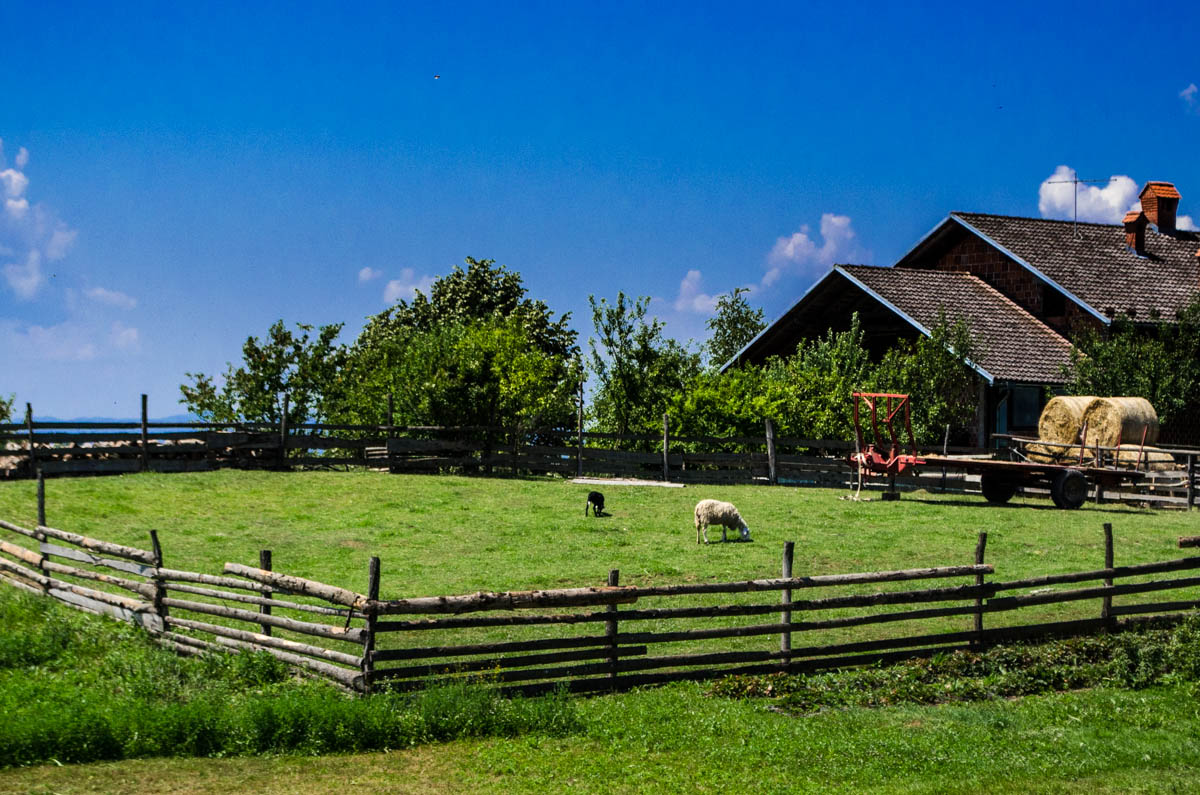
{"x":456,"y":535}
{"x":445,"y":535}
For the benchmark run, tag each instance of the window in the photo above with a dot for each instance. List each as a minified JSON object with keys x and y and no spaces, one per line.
{"x":1054,"y":303}
{"x":1025,"y":406}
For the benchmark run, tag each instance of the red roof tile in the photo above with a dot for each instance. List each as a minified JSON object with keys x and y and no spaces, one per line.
{"x":1013,"y":344}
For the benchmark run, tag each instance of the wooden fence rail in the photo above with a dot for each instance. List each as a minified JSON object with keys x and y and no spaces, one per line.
{"x":115,"y":447}
{"x":587,"y":639}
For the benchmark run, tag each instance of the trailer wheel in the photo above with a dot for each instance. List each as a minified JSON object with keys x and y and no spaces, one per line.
{"x":997,"y":488}
{"x":1069,"y":489}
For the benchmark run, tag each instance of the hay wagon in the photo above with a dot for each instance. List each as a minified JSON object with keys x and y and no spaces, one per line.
{"x":1068,"y":483}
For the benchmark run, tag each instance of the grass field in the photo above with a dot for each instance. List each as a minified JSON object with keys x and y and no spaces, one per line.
{"x":446,"y":535}
{"x":456,"y":535}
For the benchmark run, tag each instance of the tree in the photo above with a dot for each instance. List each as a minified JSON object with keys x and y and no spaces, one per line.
{"x":483,"y":373}
{"x":638,"y":370}
{"x":935,"y":373}
{"x":482,"y":292}
{"x":1160,"y":363}
{"x":734,"y":325}
{"x":6,"y":405}
{"x":284,"y":364}
{"x":475,"y":351}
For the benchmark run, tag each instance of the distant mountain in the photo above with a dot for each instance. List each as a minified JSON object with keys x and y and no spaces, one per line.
{"x":170,"y":418}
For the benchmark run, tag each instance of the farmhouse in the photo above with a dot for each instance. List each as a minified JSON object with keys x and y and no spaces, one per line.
{"x":1023,"y":285}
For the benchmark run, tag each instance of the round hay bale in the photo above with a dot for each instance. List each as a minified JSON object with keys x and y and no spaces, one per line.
{"x":1063,"y":417}
{"x":1120,"y":420}
{"x":1147,"y":459}
{"x":1057,"y":454}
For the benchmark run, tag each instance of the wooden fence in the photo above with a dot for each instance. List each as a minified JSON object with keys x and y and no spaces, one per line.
{"x":96,"y":448}
{"x":586,"y":639}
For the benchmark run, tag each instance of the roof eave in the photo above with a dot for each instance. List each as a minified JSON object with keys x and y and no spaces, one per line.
{"x":737,"y":356}
{"x":1028,"y":266}
{"x":909,"y":319}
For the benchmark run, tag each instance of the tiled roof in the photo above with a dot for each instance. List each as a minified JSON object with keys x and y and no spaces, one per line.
{"x":1092,"y":262}
{"x":1013,"y":344}
{"x":1163,"y":190}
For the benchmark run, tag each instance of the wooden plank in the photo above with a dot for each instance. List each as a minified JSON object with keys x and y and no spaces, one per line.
{"x":21,"y":553}
{"x":177,"y":575}
{"x":300,"y":585}
{"x":350,"y":635}
{"x":509,"y":600}
{"x":350,"y":679}
{"x":1179,"y":564}
{"x":500,"y":647}
{"x":259,"y":600}
{"x":261,"y":639}
{"x":501,"y":663}
{"x":141,"y":588}
{"x":95,"y":545}
{"x":81,"y":556}
{"x":113,"y":466}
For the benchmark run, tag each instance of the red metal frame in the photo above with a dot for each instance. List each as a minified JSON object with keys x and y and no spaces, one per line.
{"x":869,"y":456}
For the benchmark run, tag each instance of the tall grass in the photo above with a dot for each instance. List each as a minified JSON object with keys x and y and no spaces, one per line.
{"x":74,"y":688}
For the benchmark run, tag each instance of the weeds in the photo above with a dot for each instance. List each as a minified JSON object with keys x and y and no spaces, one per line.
{"x":1134,"y":660}
{"x":74,"y":688}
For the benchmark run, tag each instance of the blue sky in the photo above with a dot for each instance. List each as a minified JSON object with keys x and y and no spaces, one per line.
{"x":178,"y":176}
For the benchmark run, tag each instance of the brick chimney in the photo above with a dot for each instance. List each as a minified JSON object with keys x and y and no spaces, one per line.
{"x":1135,"y":231}
{"x":1160,"y":200}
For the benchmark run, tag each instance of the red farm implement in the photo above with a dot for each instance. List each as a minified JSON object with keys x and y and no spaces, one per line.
{"x":999,"y":479}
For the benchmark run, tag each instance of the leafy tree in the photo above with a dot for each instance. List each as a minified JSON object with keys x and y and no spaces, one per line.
{"x":637,"y":369}
{"x":734,"y":325}
{"x":487,"y":373}
{"x":1160,"y":363}
{"x":481,"y":292}
{"x":283,"y":364}
{"x":934,"y":372}
{"x":475,"y":351}
{"x":6,"y":405}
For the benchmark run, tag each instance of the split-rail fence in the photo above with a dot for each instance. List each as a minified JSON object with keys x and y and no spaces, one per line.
{"x":64,"y":448}
{"x":588,"y":639}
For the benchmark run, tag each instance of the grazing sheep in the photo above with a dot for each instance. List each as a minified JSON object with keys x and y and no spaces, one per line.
{"x":595,"y":501}
{"x":712,"y":512}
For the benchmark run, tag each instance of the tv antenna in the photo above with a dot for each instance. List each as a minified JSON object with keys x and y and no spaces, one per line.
{"x":1076,"y":181}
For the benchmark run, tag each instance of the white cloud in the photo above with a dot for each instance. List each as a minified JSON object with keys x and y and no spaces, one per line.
{"x":406,"y":285}
{"x":15,"y":183}
{"x":30,"y":233}
{"x":1189,"y":97}
{"x":800,"y":252}
{"x":124,"y":337}
{"x":368,"y":274}
{"x":1186,"y":223}
{"x":111,"y":297}
{"x":691,"y":299}
{"x":25,"y":278}
{"x":1059,"y":196}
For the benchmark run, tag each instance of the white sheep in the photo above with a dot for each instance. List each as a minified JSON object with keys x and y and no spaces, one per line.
{"x":712,"y":512}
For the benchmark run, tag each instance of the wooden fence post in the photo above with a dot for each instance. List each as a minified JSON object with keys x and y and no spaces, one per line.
{"x":29,"y":430}
{"x":283,"y":430}
{"x":264,"y":563}
{"x":38,"y":535}
{"x":1191,"y":482}
{"x":785,"y":639}
{"x":771,"y":454}
{"x":610,"y":628}
{"x":391,"y":414}
{"x":666,"y":446}
{"x":368,"y":661}
{"x":41,"y":498}
{"x":1106,"y":603}
{"x":579,"y":441}
{"x":145,"y":437}
{"x":980,"y":547}
{"x":159,"y":588}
